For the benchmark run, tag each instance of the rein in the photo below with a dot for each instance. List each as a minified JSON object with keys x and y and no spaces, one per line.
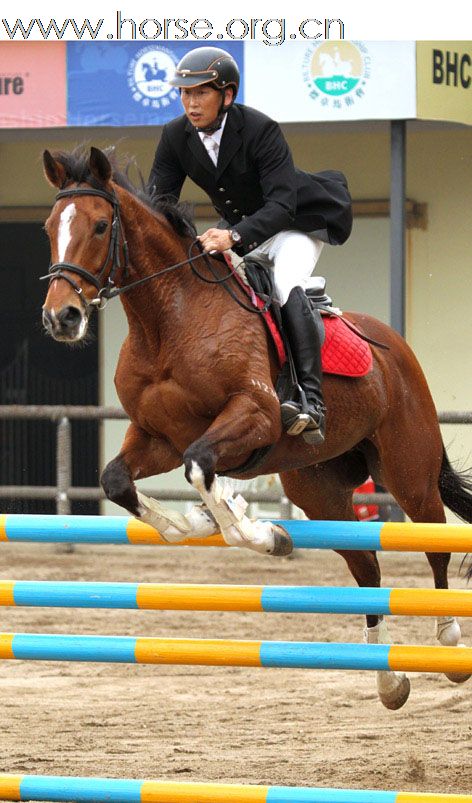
{"x":117,"y":242}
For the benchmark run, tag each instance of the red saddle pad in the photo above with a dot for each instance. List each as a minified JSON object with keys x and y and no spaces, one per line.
{"x":343,"y":352}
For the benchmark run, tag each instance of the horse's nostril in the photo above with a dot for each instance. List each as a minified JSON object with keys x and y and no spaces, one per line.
{"x":69,"y":317}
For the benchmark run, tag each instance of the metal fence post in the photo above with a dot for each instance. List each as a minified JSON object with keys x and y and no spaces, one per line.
{"x":63,"y":466}
{"x":286,"y":508}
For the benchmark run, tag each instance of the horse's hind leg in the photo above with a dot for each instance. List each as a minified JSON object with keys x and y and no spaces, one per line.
{"x":448,"y":631}
{"x":325,"y":492}
{"x":144,"y":456}
{"x":410,"y":471}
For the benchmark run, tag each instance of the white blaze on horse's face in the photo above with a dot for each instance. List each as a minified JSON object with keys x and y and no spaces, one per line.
{"x":64,"y":315}
{"x":64,"y":230}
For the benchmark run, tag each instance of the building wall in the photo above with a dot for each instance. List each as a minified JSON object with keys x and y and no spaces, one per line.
{"x":439,"y":322}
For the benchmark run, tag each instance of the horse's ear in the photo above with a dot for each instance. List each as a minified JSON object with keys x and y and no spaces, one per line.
{"x":54,"y":170}
{"x":100,"y":167}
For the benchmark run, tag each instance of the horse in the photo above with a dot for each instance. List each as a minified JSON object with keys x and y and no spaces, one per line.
{"x":196,"y":377}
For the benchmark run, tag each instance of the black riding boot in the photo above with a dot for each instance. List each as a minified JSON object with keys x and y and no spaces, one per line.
{"x":302,"y":332}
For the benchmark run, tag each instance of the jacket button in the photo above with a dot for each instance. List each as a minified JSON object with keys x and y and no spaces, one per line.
{"x":221,"y":189}
{"x":235,"y":211}
{"x":228,"y":203}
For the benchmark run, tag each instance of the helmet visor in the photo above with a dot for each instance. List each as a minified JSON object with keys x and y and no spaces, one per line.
{"x":190,"y":78}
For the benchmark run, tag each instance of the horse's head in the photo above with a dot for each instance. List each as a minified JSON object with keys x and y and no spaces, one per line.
{"x":86,"y":238}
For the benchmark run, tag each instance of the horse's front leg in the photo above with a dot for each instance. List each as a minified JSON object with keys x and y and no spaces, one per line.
{"x":145,"y":456}
{"x":243,"y":426}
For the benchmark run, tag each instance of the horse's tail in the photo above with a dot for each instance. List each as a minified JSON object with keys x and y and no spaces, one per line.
{"x":455,"y":488}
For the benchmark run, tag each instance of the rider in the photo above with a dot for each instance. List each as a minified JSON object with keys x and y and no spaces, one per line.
{"x":279,"y":215}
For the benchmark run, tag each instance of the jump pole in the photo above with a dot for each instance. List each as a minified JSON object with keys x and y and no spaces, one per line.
{"x":109,"y":790}
{"x":199,"y":597}
{"x":231,"y":652}
{"x":364,"y":535}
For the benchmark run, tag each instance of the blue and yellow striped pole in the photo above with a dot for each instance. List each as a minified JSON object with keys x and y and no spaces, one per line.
{"x":373,"y":535}
{"x":232,"y":652}
{"x":296,"y":599}
{"x":108,"y":790}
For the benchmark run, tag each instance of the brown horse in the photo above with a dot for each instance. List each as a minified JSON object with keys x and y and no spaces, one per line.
{"x":196,"y":377}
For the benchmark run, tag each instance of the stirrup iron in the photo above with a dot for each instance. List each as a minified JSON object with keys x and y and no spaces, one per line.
{"x":299,"y":425}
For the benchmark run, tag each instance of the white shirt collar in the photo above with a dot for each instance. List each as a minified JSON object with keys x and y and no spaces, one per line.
{"x":217,"y":134}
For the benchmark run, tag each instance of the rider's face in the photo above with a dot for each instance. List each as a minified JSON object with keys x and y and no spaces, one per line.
{"x":202,"y":104}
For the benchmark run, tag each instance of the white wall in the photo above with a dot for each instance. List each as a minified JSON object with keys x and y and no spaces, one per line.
{"x":439,"y":324}
{"x":357,"y":273}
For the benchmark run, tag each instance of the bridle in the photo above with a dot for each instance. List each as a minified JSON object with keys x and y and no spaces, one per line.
{"x":106,"y":288}
{"x":116,"y":246}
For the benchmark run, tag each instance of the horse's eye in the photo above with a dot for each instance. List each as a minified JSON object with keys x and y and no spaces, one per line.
{"x":101,"y":226}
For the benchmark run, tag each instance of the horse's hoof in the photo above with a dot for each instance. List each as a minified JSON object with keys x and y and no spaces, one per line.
{"x":283,"y":544}
{"x":457,"y":677}
{"x":397,"y":697}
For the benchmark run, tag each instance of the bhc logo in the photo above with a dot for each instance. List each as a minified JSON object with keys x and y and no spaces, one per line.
{"x":148,"y":77}
{"x":336,"y":73}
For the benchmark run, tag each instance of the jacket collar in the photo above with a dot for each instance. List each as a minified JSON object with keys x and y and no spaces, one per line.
{"x":230,"y":142}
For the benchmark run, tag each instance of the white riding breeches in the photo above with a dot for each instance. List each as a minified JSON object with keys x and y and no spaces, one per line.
{"x":292,"y":255}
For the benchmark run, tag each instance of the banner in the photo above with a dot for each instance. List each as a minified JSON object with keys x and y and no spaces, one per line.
{"x":444,"y":72}
{"x":126,"y":83}
{"x":32,"y":85}
{"x":330,"y":81}
{"x":85,"y":84}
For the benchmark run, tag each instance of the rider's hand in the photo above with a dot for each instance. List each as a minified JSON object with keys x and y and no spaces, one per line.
{"x":215,"y":240}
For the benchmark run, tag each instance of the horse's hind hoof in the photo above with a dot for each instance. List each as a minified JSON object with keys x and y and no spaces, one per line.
{"x":283,"y":544}
{"x":457,"y":677}
{"x":394,"y":699}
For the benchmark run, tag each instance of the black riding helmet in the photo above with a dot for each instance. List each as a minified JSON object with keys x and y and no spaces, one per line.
{"x":211,"y":66}
{"x":207,"y":65}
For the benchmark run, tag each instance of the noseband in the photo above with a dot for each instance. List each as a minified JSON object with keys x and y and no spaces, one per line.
{"x":116,"y":244}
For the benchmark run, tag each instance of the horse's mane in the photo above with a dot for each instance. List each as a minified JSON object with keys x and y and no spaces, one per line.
{"x":76,"y":164}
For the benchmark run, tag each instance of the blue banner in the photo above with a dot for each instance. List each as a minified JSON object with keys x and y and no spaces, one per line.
{"x":126,"y":83}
